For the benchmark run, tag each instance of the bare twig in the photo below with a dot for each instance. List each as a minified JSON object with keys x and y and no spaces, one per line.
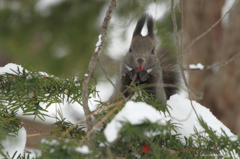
{"x":109,"y":152}
{"x":168,"y":85}
{"x":180,"y":52}
{"x":178,"y":6}
{"x":118,"y":104}
{"x":92,"y":113}
{"x":92,"y":65}
{"x":181,"y":1}
{"x":33,"y":135}
{"x":79,"y":122}
{"x":110,"y":80}
{"x":174,"y":26}
{"x":119,"y":94}
{"x":220,"y":64}
{"x":173,"y":152}
{"x":41,"y":132}
{"x":180,"y":48}
{"x":215,"y":24}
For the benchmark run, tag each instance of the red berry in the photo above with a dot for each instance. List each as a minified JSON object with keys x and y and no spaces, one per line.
{"x":145,"y":148}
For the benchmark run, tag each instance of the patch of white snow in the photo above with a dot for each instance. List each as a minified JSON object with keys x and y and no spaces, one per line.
{"x":84,"y":149}
{"x":198,"y":66}
{"x":135,"y":113}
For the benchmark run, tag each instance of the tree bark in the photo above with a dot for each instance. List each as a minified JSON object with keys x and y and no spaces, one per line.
{"x":223,"y":87}
{"x":220,"y":86}
{"x":198,"y":17}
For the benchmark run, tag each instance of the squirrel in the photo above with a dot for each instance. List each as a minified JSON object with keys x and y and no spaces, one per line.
{"x":149,"y":66}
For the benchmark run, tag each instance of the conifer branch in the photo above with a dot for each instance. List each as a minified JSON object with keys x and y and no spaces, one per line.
{"x":76,"y":100}
{"x":97,"y":110}
{"x":117,"y":105}
{"x":39,"y":132}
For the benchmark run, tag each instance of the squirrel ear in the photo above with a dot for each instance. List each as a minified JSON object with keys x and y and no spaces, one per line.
{"x":139,"y":25}
{"x":150,"y":26}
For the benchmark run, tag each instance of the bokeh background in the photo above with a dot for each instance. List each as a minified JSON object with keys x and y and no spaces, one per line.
{"x":59,"y":36}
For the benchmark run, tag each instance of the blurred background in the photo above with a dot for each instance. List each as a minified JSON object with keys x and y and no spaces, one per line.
{"x":59,"y":37}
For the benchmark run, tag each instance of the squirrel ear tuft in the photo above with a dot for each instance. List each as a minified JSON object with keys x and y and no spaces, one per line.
{"x":139,"y":25}
{"x":150,"y":26}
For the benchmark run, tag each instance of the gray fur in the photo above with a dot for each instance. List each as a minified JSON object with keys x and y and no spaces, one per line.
{"x":157,"y":68}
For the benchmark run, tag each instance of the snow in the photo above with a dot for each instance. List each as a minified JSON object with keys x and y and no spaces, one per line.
{"x":84,"y":149}
{"x":13,"y":144}
{"x":43,"y":6}
{"x":198,"y":66}
{"x":181,"y":112}
{"x":135,"y":113}
{"x":68,"y":113}
{"x":9,"y":67}
{"x":157,"y":10}
{"x":52,"y":150}
{"x":122,"y":30}
{"x":98,"y":43}
{"x":228,"y":4}
{"x":52,"y":143}
{"x":69,"y":110}
{"x":33,"y":153}
{"x":101,"y":145}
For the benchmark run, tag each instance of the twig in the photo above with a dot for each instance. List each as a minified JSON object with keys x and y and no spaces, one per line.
{"x":215,"y":24}
{"x":118,"y":104}
{"x":92,"y":113}
{"x":180,"y":52}
{"x":174,"y":26}
{"x":217,"y":64}
{"x":181,"y":1}
{"x":168,"y":85}
{"x":178,"y":6}
{"x":179,"y":49}
{"x":92,"y":65}
{"x":119,"y":94}
{"x":41,"y":132}
{"x":33,"y":135}
{"x":110,"y":80}
{"x":195,"y":150}
{"x":80,"y":121}
{"x":173,"y":152}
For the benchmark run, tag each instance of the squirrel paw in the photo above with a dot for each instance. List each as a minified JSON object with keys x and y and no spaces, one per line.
{"x":143,"y":75}
{"x":132,"y":74}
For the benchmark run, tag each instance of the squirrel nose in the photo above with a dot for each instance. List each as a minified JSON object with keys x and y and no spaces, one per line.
{"x":140,"y":60}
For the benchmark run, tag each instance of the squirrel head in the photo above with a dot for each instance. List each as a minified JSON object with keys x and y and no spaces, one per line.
{"x":142,"y":54}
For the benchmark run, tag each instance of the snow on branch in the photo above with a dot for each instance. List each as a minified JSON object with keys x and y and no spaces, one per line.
{"x":199,"y":66}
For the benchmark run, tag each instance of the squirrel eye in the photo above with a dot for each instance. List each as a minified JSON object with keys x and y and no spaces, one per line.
{"x":130,"y":50}
{"x":152,"y":51}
